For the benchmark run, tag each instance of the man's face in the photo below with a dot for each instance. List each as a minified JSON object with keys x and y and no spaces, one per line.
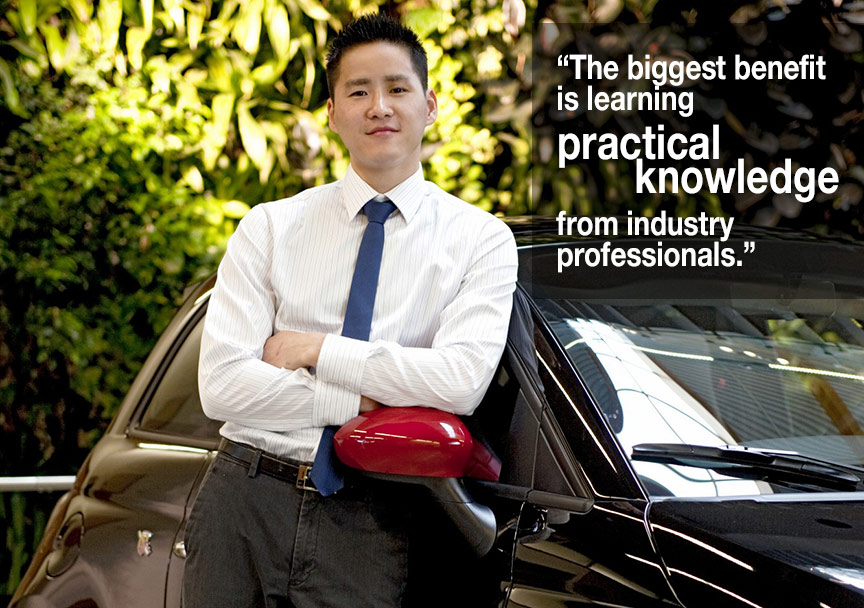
{"x":380,"y":109}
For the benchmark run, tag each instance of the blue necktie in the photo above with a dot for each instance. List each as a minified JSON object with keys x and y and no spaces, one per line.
{"x":358,"y":320}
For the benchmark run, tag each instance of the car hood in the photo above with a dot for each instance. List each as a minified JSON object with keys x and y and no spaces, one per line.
{"x":799,"y":551}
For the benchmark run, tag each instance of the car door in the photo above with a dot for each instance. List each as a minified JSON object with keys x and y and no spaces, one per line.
{"x":113,"y":535}
{"x":172,"y":420}
{"x":581,"y":537}
{"x":443,"y":569}
{"x":561,"y":540}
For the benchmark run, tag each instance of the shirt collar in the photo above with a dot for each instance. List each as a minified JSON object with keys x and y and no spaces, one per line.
{"x":406,"y":195}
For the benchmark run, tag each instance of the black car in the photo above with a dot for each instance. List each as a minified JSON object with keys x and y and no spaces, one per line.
{"x":687,"y":436}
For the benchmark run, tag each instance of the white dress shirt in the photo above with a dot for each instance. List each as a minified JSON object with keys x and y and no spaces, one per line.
{"x":440,"y":321}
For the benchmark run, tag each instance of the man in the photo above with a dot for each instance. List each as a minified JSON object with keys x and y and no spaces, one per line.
{"x":278,"y":363}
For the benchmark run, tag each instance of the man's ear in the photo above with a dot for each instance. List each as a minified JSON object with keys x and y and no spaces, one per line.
{"x":432,"y":107}
{"x":330,"y":114}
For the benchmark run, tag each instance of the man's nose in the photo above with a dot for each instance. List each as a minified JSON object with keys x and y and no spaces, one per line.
{"x":379,"y":106}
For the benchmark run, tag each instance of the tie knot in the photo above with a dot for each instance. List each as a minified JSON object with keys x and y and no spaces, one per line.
{"x":379,"y":209}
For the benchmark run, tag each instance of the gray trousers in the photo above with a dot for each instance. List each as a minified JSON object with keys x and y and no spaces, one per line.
{"x":260,"y":541}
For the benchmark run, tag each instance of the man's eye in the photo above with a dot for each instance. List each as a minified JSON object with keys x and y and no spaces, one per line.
{"x":399,"y":89}
{"x":356,"y":93}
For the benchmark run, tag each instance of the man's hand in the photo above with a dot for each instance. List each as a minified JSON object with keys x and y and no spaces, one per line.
{"x":367,"y":404}
{"x":293,"y":349}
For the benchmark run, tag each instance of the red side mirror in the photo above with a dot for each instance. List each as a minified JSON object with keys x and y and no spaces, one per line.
{"x":415,"y":441}
{"x":429,"y":447}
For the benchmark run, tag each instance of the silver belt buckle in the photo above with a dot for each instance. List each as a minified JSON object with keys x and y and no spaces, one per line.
{"x":302,"y":477}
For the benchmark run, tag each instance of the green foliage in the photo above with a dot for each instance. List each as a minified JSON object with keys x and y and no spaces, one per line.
{"x":101,"y":233}
{"x":25,"y":518}
{"x":150,"y":125}
{"x":479,"y":144}
{"x":133,"y":135}
{"x":145,"y":128}
{"x":254,"y":72}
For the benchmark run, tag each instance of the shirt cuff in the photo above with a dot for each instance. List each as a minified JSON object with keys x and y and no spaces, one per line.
{"x":341,"y":361}
{"x":334,"y":405}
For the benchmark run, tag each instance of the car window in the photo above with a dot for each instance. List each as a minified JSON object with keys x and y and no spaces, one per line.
{"x":175,"y":408}
{"x":763,"y":362}
{"x":572,"y":455}
{"x":550,"y":475}
{"x":507,"y":424}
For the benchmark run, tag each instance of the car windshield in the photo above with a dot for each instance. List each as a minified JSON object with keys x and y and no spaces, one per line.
{"x":770,"y":360}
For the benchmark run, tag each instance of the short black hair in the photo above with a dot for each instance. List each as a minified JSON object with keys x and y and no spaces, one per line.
{"x":375,"y":28}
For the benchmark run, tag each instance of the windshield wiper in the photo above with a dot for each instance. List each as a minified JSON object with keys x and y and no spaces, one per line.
{"x":750,"y":463}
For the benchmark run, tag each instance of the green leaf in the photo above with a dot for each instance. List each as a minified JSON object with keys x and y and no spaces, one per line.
{"x":227,"y":10}
{"x":519,"y":145}
{"x":110,"y":14}
{"x":56,"y":46}
{"x":160,"y":73}
{"x":176,"y":13}
{"x":235,"y":209}
{"x":269,"y":72}
{"x":314,"y":9}
{"x":136,"y":38}
{"x":247,"y":27}
{"x":321,"y":34}
{"x":220,"y":71}
{"x":28,"y":50}
{"x":266,"y":166}
{"x":147,"y":14}
{"x":424,"y":21}
{"x":171,"y":264}
{"x":9,"y":90}
{"x":82,"y":9}
{"x":192,"y":176}
{"x":278,"y":138}
{"x":195,"y":24}
{"x":216,"y":131}
{"x":223,"y":106}
{"x":91,"y":35}
{"x":252,"y":135}
{"x":278,"y":30}
{"x":219,"y":28}
{"x":605,"y":11}
{"x":28,"y":11}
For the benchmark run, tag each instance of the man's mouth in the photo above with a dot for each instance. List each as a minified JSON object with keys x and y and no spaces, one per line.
{"x":381,"y":130}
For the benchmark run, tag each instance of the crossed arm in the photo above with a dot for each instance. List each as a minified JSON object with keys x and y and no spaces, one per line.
{"x":252,"y":377}
{"x":295,"y":349}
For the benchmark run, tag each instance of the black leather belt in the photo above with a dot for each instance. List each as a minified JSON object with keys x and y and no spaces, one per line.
{"x":258,"y":460}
